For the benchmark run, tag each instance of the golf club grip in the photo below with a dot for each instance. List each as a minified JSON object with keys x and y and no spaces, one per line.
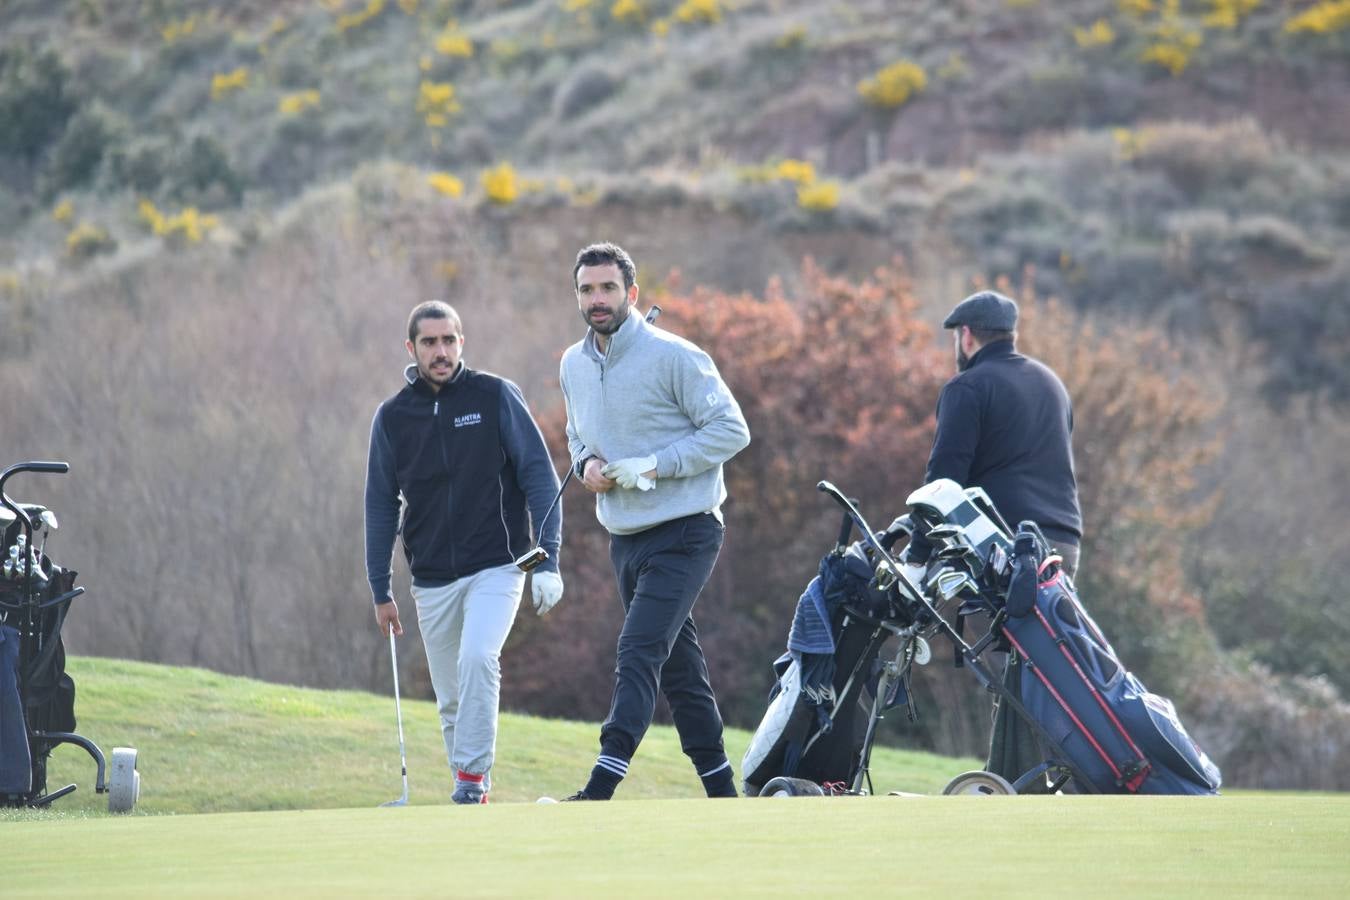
{"x":59,"y":468}
{"x":845,"y":529}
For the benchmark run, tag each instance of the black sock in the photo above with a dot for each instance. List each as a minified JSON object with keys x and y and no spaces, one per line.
{"x":721,"y":782}
{"x":605,"y":777}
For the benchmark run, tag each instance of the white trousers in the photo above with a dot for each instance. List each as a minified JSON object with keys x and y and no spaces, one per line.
{"x":464,"y":625}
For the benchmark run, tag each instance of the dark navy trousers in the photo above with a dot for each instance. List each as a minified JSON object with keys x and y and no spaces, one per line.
{"x":660,"y":573}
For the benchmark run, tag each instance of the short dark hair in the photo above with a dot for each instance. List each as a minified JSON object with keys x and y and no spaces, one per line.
{"x":984,"y":336}
{"x":606,"y":253}
{"x":432,"y":309}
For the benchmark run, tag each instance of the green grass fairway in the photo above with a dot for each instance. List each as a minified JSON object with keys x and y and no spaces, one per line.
{"x":290,"y":778}
{"x":929,"y":846}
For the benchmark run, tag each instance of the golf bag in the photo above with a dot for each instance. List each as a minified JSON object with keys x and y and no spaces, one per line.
{"x":1095,"y":720}
{"x":1115,"y":733}
{"x":37,"y":696}
{"x":820,"y":719}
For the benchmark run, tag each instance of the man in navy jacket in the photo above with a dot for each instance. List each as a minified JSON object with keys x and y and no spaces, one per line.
{"x":461,"y":451}
{"x":1005,"y":424}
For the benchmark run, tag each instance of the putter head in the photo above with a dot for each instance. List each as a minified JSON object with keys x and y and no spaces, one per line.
{"x":528,"y":562}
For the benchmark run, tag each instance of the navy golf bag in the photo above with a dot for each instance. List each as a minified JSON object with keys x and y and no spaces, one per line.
{"x":1095,"y":720}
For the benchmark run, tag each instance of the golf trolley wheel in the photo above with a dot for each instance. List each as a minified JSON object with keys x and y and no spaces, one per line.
{"x":791,"y":787}
{"x":124,"y":782}
{"x":980,"y":783}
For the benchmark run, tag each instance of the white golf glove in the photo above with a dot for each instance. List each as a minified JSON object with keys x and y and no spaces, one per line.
{"x":547,"y":588}
{"x":629,"y":472}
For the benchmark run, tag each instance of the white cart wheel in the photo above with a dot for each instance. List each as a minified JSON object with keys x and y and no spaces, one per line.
{"x":124,"y":782}
{"x":980,"y":783}
{"x":791,"y":787}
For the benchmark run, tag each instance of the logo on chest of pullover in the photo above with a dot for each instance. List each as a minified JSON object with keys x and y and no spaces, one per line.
{"x":468,"y":419}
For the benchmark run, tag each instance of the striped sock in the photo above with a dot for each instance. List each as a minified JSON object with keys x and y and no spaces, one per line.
{"x":605,"y":777}
{"x":719,"y":781}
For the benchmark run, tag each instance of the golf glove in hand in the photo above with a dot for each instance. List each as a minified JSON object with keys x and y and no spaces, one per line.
{"x":547,"y":588}
{"x":629,"y":472}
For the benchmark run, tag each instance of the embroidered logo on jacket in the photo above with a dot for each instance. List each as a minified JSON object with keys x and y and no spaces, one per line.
{"x":468,"y":419}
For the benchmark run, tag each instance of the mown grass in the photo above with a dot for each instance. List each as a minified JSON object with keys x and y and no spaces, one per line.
{"x":323,"y":760}
{"x":214,"y":743}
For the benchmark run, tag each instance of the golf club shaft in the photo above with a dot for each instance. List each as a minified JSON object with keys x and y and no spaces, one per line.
{"x":398,"y":710}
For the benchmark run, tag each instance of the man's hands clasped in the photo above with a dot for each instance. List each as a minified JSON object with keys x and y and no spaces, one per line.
{"x":634,"y":472}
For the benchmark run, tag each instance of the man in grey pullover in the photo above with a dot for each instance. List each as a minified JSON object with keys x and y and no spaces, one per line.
{"x":649,"y":425}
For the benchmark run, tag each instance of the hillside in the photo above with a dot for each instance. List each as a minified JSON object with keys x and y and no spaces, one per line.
{"x":214,"y":217}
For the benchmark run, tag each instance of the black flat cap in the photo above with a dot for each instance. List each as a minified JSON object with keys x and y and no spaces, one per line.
{"x":987,"y":309}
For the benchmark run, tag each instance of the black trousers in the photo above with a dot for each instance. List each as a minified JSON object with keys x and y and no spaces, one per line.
{"x":660,"y":573}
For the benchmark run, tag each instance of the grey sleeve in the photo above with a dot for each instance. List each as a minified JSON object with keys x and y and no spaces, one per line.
{"x":576,"y":449}
{"x":525,"y":447}
{"x":720,"y":430}
{"x":382,"y":507}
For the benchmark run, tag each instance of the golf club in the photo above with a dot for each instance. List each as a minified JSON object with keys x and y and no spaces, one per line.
{"x":398,"y":709}
{"x":532,"y":559}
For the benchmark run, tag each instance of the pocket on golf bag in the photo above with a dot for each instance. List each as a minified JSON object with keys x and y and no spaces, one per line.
{"x":16,"y":766}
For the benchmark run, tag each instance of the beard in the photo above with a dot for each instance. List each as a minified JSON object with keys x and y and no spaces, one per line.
{"x":617,"y":316}
{"x":962,"y":361}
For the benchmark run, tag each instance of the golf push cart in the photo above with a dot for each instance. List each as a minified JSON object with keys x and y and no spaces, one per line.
{"x":1099,"y":728}
{"x":37,"y":697}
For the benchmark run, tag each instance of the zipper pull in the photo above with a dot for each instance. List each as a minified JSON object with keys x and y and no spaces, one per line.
{"x":436,"y":408}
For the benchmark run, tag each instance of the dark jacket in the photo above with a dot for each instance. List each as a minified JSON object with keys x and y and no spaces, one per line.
{"x":1005,"y":425}
{"x":467,"y":461}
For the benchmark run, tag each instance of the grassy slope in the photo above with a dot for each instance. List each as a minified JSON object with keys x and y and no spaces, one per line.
{"x":212,"y":743}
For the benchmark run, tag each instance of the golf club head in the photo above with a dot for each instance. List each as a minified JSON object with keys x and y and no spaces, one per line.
{"x":950,"y":584}
{"x":528,"y":562}
{"x":401,"y":801}
{"x":944,"y":533}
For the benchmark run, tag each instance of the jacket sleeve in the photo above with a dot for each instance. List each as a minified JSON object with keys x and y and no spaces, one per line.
{"x":382,"y":508}
{"x":958,"y":434}
{"x":525,"y":447}
{"x":720,"y":431}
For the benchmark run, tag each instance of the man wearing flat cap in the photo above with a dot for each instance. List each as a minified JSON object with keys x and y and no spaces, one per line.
{"x":1004,"y":423}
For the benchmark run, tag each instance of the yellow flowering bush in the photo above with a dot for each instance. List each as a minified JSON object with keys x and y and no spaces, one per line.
{"x":348,"y":21}
{"x":577,"y":5}
{"x":629,"y":12}
{"x":691,"y":12}
{"x":176,"y":31}
{"x":1173,"y":42}
{"x":453,"y":42}
{"x":86,"y":241}
{"x":227,"y":82}
{"x":298,"y":102}
{"x":791,"y":39}
{"x":1136,"y":8}
{"x":502,"y":184}
{"x":447,"y":184}
{"x":188,"y":227}
{"x":795,"y":170}
{"x":1227,"y":14}
{"x":63,"y":211}
{"x":1098,"y":34}
{"x":436,"y":102}
{"x":1324,"y":18}
{"x":820,"y":197}
{"x":893,"y":85}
